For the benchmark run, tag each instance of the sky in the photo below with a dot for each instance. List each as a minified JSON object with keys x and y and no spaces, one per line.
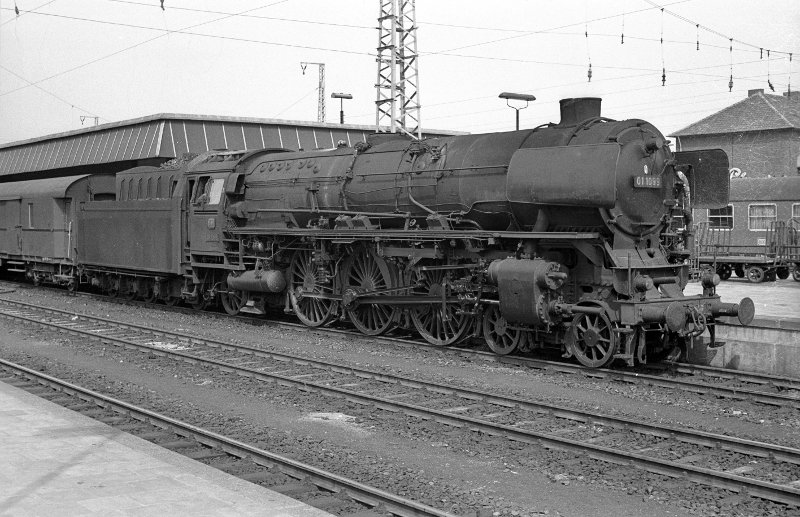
{"x":64,"y":62}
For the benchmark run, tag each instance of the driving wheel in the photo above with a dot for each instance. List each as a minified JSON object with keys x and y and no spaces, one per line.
{"x":363,"y":272}
{"x":438,"y":323}
{"x":307,"y":279}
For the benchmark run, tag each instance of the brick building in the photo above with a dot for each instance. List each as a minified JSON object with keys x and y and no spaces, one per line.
{"x":760,"y":134}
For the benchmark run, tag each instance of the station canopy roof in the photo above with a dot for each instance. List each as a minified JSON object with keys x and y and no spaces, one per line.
{"x":158,"y":138}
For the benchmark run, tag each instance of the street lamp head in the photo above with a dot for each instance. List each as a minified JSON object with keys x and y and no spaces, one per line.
{"x":509,"y":96}
{"x":517,"y":96}
{"x":341,"y":96}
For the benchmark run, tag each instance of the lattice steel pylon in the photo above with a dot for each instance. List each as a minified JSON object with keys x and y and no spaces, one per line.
{"x":320,"y":88}
{"x":398,"y":107}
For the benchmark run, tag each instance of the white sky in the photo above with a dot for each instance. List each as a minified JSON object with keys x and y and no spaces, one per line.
{"x":121,"y":59}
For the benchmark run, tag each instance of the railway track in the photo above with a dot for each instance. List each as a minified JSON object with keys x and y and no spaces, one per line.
{"x":720,"y":382}
{"x":763,"y":470}
{"x":314,"y":486}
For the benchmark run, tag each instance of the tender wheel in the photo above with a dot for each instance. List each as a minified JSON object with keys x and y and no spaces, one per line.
{"x":439,"y":325}
{"x":739,"y":272}
{"x":796,"y":273}
{"x":200,"y":304}
{"x":594,"y":340}
{"x":755,"y":274}
{"x":502,"y":339}
{"x":171,"y":300}
{"x":783,"y":273}
{"x":724,"y":271}
{"x":305,"y":278}
{"x":232,"y":300}
{"x":364,"y":271}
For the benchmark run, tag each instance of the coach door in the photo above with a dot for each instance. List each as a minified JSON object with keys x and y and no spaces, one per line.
{"x":10,"y":225}
{"x":205,"y":219}
{"x":16,"y":225}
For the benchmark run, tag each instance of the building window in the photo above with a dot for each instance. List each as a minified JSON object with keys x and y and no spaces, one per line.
{"x":796,"y":211}
{"x":720,"y":218}
{"x":761,"y":216}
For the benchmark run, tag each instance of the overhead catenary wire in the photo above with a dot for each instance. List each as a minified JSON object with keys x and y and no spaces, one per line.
{"x":55,"y":96}
{"x":632,"y":38}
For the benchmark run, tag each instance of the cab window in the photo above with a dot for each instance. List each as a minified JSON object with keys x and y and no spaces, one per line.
{"x":209,"y":191}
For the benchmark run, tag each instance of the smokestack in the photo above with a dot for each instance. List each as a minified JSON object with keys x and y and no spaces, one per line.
{"x":574,"y":111}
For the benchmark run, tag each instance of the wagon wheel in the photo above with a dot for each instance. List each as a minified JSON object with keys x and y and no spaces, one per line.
{"x":439,"y":325}
{"x":796,"y":273}
{"x":232,"y":299}
{"x":148,"y":288}
{"x":364,"y":271}
{"x":724,"y":271}
{"x":149,"y":295}
{"x":739,"y":271}
{"x":783,"y":273}
{"x":755,"y":274}
{"x":113,"y":288}
{"x":304,"y":277}
{"x":130,"y":292}
{"x":594,"y":340}
{"x":502,"y":339}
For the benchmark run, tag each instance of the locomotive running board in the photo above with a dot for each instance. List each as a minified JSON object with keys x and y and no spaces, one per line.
{"x":416,"y":235}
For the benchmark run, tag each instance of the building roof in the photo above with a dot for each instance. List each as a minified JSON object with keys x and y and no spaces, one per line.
{"x":757,"y":112}
{"x":170,"y":135}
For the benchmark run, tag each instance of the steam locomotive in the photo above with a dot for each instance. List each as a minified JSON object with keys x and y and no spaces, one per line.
{"x":573,"y":236}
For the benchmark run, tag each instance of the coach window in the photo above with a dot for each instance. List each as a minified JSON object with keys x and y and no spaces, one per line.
{"x":761,"y":216}
{"x":30,"y":215}
{"x":720,"y":218}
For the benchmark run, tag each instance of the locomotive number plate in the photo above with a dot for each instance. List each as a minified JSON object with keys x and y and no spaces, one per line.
{"x":647,"y":181}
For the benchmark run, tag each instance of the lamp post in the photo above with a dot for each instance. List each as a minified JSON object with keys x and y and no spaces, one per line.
{"x":508,"y":96}
{"x":341,"y":97}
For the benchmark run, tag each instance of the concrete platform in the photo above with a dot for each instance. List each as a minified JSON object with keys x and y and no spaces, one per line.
{"x":771,"y":344}
{"x":56,"y":462}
